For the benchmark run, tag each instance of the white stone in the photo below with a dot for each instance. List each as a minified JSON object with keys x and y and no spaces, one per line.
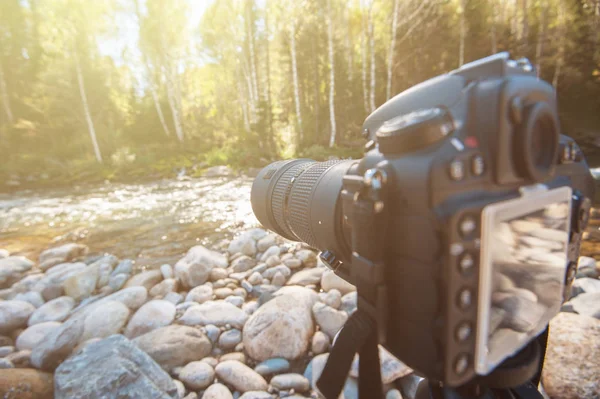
{"x":218,"y":313}
{"x":197,"y":375}
{"x":167,"y":271}
{"x":333,"y":298}
{"x":105,"y":320}
{"x":61,"y":254}
{"x":242,"y":264}
{"x":243,"y":244}
{"x":320,"y":343}
{"x":306,"y":277}
{"x":82,"y":284}
{"x":33,"y":335}
{"x":270,"y":273}
{"x":230,"y":338}
{"x":255,"y":278}
{"x":235,"y":300}
{"x":217,"y":391}
{"x":330,"y":280}
{"x":117,"y":281}
{"x":14,"y":314}
{"x":147,"y":279}
{"x":152,"y":315}
{"x":194,"y":268}
{"x":33,"y":297}
{"x":200,"y":294}
{"x":266,"y":242}
{"x":329,"y":319}
{"x":278,"y":279}
{"x":12,"y":268}
{"x":240,"y":376}
{"x":164,"y":287}
{"x":55,"y":310}
{"x":274,"y":250}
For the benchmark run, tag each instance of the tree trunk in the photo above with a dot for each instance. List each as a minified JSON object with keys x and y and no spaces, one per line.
{"x":561,"y":45}
{"x":295,"y":79}
{"x":331,"y":76}
{"x":539,"y":48}
{"x":161,"y":117}
{"x":348,"y":44}
{"x":316,"y":80}
{"x":525,"y":28}
{"x":372,"y":50}
{"x":268,"y":89}
{"x":463,"y":33}
{"x":249,"y":24}
{"x":174,"y":104}
{"x":388,"y":89}
{"x":5,"y":98}
{"x":86,"y":109}
{"x":363,"y":45}
{"x":493,"y":33}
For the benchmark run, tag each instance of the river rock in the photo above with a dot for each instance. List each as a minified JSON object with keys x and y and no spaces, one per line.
{"x":132,"y":297}
{"x":167,"y":271}
{"x":584,"y":285}
{"x":174,"y":297}
{"x":330,"y":280}
{"x":266,"y":242}
{"x":282,"y":269}
{"x":33,"y":297}
{"x":4,"y":253}
{"x":278,"y":279}
{"x":308,"y":257}
{"x":64,"y":253}
{"x":393,"y":394}
{"x":273,"y":261}
{"x":218,"y":313}
{"x":217,"y":391}
{"x":283,"y":327}
{"x":240,"y":376}
{"x":273,"y":250}
{"x":333,"y":298}
{"x":587,"y":304}
{"x":293,"y":263}
{"x":235,"y":300}
{"x":391,"y":368}
{"x":55,"y":310}
{"x":329,"y":319}
{"x":320,"y":343}
{"x":14,"y":314}
{"x":349,"y":302}
{"x":26,"y":383}
{"x":20,"y":359}
{"x":57,"y":345}
{"x":6,"y":364}
{"x":297,"y":382}
{"x":256,"y":395}
{"x":117,"y":281}
{"x":587,"y":267}
{"x":194,"y":268}
{"x":104,"y":321}
{"x":124,"y":267}
{"x":200,"y":294}
{"x":255,"y":278}
{"x":12,"y":268}
{"x":242,"y":244}
{"x":6,"y":350}
{"x":174,"y":345}
{"x":180,"y":388}
{"x":218,"y":274}
{"x":197,"y":375}
{"x":113,"y":367}
{"x":212,"y":332}
{"x":33,"y":335}
{"x":104,"y":272}
{"x":222,"y":293}
{"x":150,"y":316}
{"x":573,"y":346}
{"x":147,"y":279}
{"x":218,"y":171}
{"x":315,"y":369}
{"x":82,"y":284}
{"x":306,"y":277}
{"x":164,"y":287}
{"x":239,"y":356}
{"x":229,"y":339}
{"x":242,"y":264}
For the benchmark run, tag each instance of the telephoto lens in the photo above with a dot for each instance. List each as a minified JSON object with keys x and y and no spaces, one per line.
{"x":300,"y":200}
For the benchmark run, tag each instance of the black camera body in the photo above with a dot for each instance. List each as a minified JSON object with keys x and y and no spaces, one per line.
{"x":474,"y":168}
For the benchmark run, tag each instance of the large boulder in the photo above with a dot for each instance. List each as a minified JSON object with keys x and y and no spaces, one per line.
{"x":219,"y":313}
{"x":113,"y":367}
{"x":194,"y":268}
{"x":25,"y":383}
{"x":12,"y":269}
{"x":62,"y":254}
{"x":175,"y":345}
{"x":150,"y":316}
{"x":14,"y":314}
{"x":572,"y":362}
{"x":283,"y":327}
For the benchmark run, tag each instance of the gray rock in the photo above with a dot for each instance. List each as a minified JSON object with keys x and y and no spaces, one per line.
{"x":218,"y":313}
{"x":6,"y":350}
{"x":55,"y":310}
{"x":320,"y":343}
{"x":194,"y":268}
{"x":256,"y":395}
{"x":174,"y":297}
{"x":210,"y":360}
{"x":57,"y":345}
{"x":333,"y":298}
{"x":218,"y":274}
{"x":329,"y":319}
{"x":191,"y":395}
{"x":35,"y":334}
{"x":293,"y":263}
{"x":238,"y":356}
{"x":283,"y":327}
{"x":117,"y":281}
{"x":200,"y":294}
{"x":330,"y":280}
{"x":64,"y":253}
{"x":393,"y":394}
{"x":278,"y":279}
{"x":180,"y":388}
{"x":174,"y":345}
{"x":104,"y":321}
{"x":240,"y":376}
{"x":273,"y":261}
{"x":242,"y":264}
{"x":21,"y":359}
{"x":167,"y":271}
{"x":297,"y":382}
{"x":306,"y":277}
{"x":391,"y":368}
{"x":82,"y":284}
{"x":349,"y":302}
{"x":14,"y":314}
{"x":33,"y":297}
{"x":104,"y":272}
{"x":197,"y":375}
{"x":6,"y":364}
{"x":229,"y":339}
{"x":584,"y":285}
{"x":266,"y":242}
{"x":212,"y":332}
{"x":270,"y":273}
{"x":246,"y":285}
{"x":31,"y":282}
{"x":272,"y":366}
{"x":164,"y":287}
{"x":124,"y":267}
{"x":12,"y":269}
{"x":152,"y":315}
{"x":308,"y":257}
{"x":587,"y":304}
{"x":273,"y":250}
{"x":250,"y":307}
{"x":235,"y":300}
{"x":147,"y":279}
{"x":217,"y":391}
{"x":113,"y":367}
{"x":255,"y":278}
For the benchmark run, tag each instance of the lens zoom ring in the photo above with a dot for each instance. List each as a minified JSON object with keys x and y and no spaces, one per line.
{"x":281,"y":190}
{"x":299,"y":203}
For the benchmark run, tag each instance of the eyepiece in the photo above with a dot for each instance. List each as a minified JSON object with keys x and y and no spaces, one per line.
{"x":537,"y":143}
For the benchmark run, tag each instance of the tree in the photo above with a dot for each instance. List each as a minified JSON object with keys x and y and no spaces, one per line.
{"x":331,"y":75}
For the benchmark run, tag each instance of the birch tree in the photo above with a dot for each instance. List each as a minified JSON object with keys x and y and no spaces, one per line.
{"x":463,"y":33}
{"x":5,"y":97}
{"x":363,"y":47}
{"x":539,"y":48}
{"x":372,"y":52}
{"x":390,"y":65}
{"x":295,"y":77}
{"x":331,"y":75}
{"x":86,"y":107}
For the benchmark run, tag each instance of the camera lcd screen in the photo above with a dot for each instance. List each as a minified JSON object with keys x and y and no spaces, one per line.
{"x":523,"y":266}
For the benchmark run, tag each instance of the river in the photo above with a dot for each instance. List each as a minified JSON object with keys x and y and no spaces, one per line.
{"x":152,"y":223}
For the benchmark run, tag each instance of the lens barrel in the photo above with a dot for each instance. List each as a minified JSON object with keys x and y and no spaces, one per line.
{"x":300,"y":200}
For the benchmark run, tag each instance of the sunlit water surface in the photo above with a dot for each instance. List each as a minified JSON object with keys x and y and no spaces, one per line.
{"x":152,"y":223}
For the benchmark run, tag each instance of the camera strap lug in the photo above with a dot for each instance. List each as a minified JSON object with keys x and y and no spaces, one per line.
{"x":365,"y":209}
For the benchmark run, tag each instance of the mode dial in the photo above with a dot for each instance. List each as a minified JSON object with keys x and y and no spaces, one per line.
{"x":414,"y":131}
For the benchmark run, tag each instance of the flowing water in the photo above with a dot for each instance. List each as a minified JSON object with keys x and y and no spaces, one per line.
{"x":151,"y":223}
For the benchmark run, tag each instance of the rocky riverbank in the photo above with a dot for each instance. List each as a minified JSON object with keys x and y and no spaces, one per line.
{"x":250,"y":318}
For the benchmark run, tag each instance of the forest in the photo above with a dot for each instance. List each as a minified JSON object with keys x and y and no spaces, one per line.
{"x":132,"y":89}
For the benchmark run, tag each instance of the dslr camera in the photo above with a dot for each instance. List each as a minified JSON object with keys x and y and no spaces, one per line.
{"x":460,"y":226}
